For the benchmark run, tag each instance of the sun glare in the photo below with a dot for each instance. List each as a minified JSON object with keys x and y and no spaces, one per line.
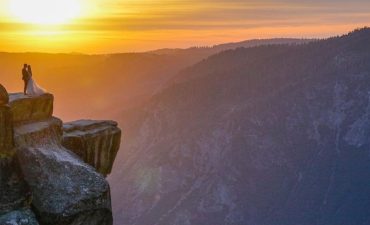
{"x":45,"y":11}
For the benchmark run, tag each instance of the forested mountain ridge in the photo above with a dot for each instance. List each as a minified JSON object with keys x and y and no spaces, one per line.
{"x":210,"y":50}
{"x":264,"y":135}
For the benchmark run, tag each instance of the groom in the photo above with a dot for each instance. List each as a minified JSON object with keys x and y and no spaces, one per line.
{"x":25,"y":77}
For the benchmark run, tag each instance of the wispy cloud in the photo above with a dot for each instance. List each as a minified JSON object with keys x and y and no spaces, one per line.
{"x":179,"y":14}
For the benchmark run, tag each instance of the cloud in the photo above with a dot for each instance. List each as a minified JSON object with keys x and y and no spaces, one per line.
{"x":220,"y":14}
{"x":147,"y":24}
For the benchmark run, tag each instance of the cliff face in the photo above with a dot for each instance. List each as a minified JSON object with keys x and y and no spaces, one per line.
{"x":26,"y":109}
{"x":270,"y":135}
{"x":14,"y":192}
{"x":64,"y":189}
{"x":96,"y":142}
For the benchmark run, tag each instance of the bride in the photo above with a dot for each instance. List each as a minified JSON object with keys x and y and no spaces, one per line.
{"x":32,"y":88}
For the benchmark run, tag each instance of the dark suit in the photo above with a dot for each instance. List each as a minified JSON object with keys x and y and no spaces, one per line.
{"x":25,"y":78}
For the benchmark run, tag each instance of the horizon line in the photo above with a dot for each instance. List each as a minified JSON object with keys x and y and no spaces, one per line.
{"x":177,"y":48}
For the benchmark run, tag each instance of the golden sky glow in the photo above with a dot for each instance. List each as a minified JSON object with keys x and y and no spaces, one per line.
{"x":44,"y":11}
{"x":102,"y":26}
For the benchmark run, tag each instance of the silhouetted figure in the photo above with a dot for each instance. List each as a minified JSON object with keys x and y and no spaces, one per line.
{"x":29,"y":70}
{"x":25,"y":77}
{"x":31,"y":88}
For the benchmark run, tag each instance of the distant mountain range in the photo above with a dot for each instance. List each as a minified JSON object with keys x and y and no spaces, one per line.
{"x":210,"y":50}
{"x":266,"y":135}
{"x":104,"y":80}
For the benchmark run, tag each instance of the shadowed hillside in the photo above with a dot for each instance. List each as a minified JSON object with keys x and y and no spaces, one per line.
{"x":263,"y":135}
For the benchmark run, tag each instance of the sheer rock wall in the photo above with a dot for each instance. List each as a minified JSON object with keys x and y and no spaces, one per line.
{"x":96,"y":142}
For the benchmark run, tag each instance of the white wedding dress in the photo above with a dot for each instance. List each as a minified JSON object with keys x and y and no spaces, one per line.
{"x":33,"y":89}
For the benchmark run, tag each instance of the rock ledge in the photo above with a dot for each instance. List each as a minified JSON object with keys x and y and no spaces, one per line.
{"x":96,"y":142}
{"x":41,"y":181}
{"x":26,"y":108}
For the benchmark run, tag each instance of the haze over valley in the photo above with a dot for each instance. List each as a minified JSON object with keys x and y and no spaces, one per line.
{"x":256,"y":132}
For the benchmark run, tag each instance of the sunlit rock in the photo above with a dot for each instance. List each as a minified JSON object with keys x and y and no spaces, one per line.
{"x":66,"y":190}
{"x":96,"y":142}
{"x":41,"y":133}
{"x":26,"y":108}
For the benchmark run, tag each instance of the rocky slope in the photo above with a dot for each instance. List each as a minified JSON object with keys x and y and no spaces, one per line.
{"x":43,"y":182}
{"x":267,"y":135}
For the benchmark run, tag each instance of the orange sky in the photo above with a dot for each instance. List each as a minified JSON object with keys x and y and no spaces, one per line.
{"x":105,"y":26}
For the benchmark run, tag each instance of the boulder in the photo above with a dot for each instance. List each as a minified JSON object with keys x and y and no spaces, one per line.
{"x":96,"y":142}
{"x":65,"y":189}
{"x":6,"y":131}
{"x":45,"y":132}
{"x":19,"y":217}
{"x":14,"y":192}
{"x":4,"y":96}
{"x":26,"y":108}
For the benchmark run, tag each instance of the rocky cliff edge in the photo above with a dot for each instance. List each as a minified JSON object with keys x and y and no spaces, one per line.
{"x":52,"y":173}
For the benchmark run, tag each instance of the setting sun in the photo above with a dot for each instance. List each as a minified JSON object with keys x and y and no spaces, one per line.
{"x":97,"y":26}
{"x":45,"y":11}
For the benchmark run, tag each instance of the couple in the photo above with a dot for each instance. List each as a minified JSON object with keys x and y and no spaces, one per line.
{"x":30,"y":86}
